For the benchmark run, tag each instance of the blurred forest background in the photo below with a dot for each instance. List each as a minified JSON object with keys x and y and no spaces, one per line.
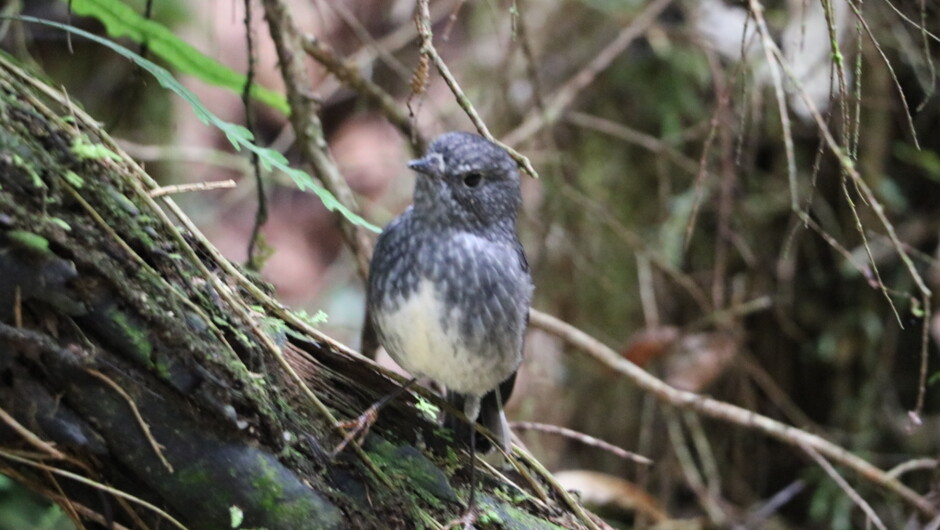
{"x":690,"y":212}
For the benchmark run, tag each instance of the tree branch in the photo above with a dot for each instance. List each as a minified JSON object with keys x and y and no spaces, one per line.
{"x":726,"y":411}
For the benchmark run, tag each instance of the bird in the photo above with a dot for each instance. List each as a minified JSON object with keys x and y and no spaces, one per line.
{"x":449,"y":286}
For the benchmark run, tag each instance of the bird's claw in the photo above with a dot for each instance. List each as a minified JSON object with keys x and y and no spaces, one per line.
{"x":357,"y":429}
{"x":465,"y":522}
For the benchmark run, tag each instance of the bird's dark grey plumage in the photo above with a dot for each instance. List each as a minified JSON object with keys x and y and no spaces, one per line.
{"x":449,"y":286}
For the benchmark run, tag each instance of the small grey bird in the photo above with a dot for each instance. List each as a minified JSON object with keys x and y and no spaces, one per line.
{"x":449,"y":286}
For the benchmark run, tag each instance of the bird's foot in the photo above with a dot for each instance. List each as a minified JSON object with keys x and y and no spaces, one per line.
{"x":466,"y":520}
{"x":357,"y":429}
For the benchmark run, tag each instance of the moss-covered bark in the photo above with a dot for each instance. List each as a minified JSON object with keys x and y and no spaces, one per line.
{"x":104,"y":315}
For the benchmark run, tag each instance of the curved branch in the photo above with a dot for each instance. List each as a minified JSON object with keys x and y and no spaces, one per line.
{"x":728,"y":412}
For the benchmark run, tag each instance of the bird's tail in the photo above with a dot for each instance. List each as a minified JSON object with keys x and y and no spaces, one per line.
{"x":491,"y":416}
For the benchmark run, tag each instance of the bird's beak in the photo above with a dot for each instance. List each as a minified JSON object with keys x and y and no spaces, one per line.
{"x":431,"y":165}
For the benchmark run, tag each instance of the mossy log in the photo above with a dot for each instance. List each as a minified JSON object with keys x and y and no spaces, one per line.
{"x":132,"y":357}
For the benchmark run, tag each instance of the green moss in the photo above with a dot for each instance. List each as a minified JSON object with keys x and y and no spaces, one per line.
{"x":488,"y":515}
{"x":491,"y":511}
{"x":271,"y":496}
{"x":268,"y":489}
{"x":74,"y":179}
{"x":193,"y":477}
{"x":514,"y":496}
{"x":446,"y":434}
{"x":502,"y":493}
{"x":451,"y":460}
{"x":163,"y":369}
{"x":221,"y":323}
{"x":29,"y":241}
{"x":85,"y":150}
{"x":409,"y":466}
{"x":19,"y":162}
{"x":134,"y":335}
{"x":123,"y":202}
{"x":275,"y":326}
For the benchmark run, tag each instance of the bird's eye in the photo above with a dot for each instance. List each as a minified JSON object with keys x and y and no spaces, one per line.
{"x":472,"y":179}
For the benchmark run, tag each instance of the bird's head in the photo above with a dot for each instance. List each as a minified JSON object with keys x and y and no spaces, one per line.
{"x":467,"y":182}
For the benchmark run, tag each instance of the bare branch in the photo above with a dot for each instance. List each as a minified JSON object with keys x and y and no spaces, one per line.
{"x":726,"y":411}
{"x":565,"y":95}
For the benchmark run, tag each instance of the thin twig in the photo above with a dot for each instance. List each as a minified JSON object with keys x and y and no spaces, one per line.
{"x":779,"y":499}
{"x":185,"y":153}
{"x":18,"y":307}
{"x":757,"y":11}
{"x":736,"y":311}
{"x":581,"y":437}
{"x":726,"y":411}
{"x":30,"y":436}
{"x":693,"y":477}
{"x":868,"y":195}
{"x":725,"y":235}
{"x":423,"y":22}
{"x":94,"y":484}
{"x":261,"y":214}
{"x":66,"y":503}
{"x":846,"y":487}
{"x":778,"y":396}
{"x":914,"y":23}
{"x":542,"y":501}
{"x":187,"y":188}
{"x":647,"y":292}
{"x":307,"y":126}
{"x":635,"y":241}
{"x":531,"y":65}
{"x":85,"y":511}
{"x":633,"y":136}
{"x":912,"y":465}
{"x":706,"y":456}
{"x":700,"y":173}
{"x":574,"y":505}
{"x":362,"y":33}
{"x":890,"y":67}
{"x":568,"y":92}
{"x":157,"y":448}
{"x":372,"y":92}
{"x":402,"y":36}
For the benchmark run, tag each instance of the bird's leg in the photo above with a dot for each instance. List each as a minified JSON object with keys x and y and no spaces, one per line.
{"x":471,"y":411}
{"x":358,"y":428}
{"x":471,"y":516}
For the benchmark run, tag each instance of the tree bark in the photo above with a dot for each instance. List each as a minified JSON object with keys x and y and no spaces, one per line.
{"x":132,"y":356}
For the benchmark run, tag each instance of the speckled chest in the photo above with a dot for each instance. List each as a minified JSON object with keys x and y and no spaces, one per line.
{"x":450,"y":305}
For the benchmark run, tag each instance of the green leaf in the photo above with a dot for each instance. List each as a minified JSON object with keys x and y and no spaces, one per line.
{"x":60,"y":223}
{"x":926,"y":159}
{"x":120,"y":20}
{"x":236,"y":516}
{"x":29,"y":241}
{"x":429,"y":409}
{"x":320,"y":317}
{"x":239,"y":136}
